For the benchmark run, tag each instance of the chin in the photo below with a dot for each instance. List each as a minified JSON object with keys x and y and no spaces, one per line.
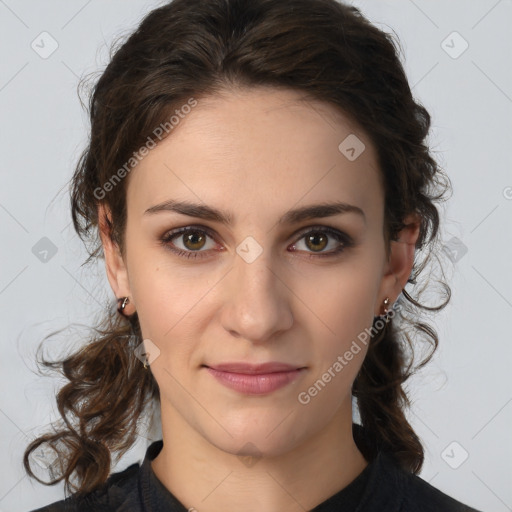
{"x":265,"y":441}
{"x":255,"y":448}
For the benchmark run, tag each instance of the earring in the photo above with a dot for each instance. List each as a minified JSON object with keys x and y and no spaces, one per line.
{"x":122,"y":304}
{"x":385,"y":304}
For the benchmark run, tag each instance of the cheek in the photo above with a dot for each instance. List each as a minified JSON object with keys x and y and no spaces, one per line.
{"x":170,"y":302}
{"x":343,"y":298}
{"x":338,"y":316}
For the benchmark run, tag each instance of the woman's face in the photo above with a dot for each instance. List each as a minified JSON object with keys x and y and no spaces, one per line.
{"x":280,"y":282}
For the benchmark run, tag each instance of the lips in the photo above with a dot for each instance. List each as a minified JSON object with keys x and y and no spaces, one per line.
{"x":254,"y":369}
{"x":255,"y":379}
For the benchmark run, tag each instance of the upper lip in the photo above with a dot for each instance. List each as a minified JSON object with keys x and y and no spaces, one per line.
{"x":241,"y":367}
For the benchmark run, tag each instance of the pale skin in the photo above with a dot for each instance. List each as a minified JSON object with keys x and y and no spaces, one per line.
{"x":257,"y":153}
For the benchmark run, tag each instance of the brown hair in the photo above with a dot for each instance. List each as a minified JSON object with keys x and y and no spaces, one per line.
{"x":191,"y":49}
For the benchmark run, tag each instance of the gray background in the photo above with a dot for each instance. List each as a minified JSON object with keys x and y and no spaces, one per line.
{"x":461,"y":401}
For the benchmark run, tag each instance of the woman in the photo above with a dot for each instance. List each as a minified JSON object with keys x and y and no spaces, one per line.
{"x":258,"y":182}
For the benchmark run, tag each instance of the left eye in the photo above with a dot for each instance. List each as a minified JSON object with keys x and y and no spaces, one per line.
{"x":193,"y":240}
{"x":318,"y":239}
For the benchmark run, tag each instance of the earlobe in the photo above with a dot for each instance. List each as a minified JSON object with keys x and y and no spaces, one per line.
{"x":401,"y":259}
{"x":115,"y":267}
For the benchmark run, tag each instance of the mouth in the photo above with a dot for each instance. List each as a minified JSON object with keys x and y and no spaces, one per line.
{"x":255,"y":369}
{"x":255,"y":379}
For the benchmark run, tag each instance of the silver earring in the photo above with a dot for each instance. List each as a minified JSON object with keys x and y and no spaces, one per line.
{"x":122,"y":304}
{"x":386,"y":304}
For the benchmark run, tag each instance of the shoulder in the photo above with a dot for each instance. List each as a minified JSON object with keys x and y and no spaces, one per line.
{"x":420,"y":496}
{"x":120,"y":490}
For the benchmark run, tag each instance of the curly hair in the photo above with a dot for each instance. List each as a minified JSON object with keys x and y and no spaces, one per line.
{"x":192,"y":49}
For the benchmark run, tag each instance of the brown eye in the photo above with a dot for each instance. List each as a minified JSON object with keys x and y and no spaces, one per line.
{"x":194,"y":240}
{"x":316,"y":241}
{"x":188,"y":242}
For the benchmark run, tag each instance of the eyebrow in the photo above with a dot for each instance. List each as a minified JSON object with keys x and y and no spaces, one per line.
{"x":297,"y":215}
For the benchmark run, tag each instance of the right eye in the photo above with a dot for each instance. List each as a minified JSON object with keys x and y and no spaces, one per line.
{"x":192,"y":239}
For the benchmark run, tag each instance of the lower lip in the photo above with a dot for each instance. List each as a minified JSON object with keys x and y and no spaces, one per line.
{"x":257,"y":384}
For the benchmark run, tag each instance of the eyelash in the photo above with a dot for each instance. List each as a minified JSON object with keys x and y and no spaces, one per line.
{"x":339,"y":236}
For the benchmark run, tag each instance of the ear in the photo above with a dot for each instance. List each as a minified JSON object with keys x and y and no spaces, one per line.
{"x":401,"y":259}
{"x":115,"y":266}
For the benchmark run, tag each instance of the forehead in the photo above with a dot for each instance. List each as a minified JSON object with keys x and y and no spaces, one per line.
{"x":259,"y":149}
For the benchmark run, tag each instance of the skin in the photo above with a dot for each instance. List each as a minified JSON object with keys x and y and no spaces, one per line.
{"x":258,"y":153}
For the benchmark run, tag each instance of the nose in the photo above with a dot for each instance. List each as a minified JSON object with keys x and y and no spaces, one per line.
{"x":257,"y":300}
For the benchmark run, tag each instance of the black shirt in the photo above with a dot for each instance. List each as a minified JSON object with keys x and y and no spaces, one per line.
{"x":383,"y":486}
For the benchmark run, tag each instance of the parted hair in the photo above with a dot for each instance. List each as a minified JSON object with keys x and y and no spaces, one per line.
{"x":186,"y":49}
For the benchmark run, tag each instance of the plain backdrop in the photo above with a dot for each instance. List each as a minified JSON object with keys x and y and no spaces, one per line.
{"x":457,"y":57}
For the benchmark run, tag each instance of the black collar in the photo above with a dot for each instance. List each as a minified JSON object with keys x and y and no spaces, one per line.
{"x":379,"y":487}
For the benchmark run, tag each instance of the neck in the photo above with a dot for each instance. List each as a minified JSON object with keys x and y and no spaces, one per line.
{"x":207,"y":479}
